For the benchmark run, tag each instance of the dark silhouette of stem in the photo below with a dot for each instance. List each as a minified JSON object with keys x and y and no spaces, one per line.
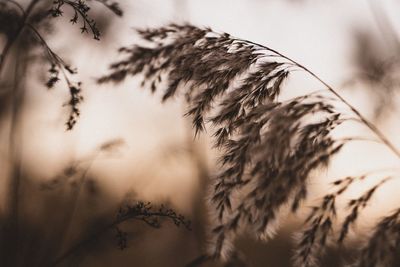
{"x":15,"y":3}
{"x":384,"y":25}
{"x":5,"y":52}
{"x":71,"y":212}
{"x":10,"y":227}
{"x":11,"y":40}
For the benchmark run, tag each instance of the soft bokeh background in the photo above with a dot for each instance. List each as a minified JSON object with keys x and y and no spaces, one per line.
{"x":159,"y":160}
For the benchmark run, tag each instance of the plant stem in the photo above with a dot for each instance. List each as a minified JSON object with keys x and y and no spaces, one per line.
{"x":11,"y":235}
{"x":364,"y":120}
{"x":71,"y":212}
{"x":4,"y":53}
{"x":10,"y":41}
{"x":77,"y":246}
{"x":16,"y":4}
{"x":384,"y":25}
{"x":369,"y":124}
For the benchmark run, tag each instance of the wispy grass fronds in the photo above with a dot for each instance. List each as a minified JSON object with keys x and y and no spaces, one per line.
{"x":312,"y":241}
{"x":384,"y":244}
{"x":269,"y":147}
{"x":270,"y":166}
{"x":355,"y":206}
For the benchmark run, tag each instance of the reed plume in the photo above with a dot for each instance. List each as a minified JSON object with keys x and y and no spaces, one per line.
{"x":269,"y":147}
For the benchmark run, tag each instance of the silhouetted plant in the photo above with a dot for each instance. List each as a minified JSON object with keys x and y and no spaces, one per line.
{"x":269,"y":147}
{"x":21,"y":25}
{"x":19,"y":22}
{"x":376,"y":60}
{"x":377,"y":68}
{"x":23,"y":28}
{"x":70,"y":189}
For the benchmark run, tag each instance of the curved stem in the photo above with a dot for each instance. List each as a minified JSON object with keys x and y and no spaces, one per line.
{"x":53,"y":57}
{"x":10,"y":41}
{"x":364,"y":120}
{"x":369,"y":124}
{"x":85,"y":19}
{"x":5,"y":52}
{"x":15,"y":3}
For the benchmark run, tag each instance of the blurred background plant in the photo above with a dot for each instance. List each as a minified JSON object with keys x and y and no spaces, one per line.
{"x":376,"y":62}
{"x":71,"y":224}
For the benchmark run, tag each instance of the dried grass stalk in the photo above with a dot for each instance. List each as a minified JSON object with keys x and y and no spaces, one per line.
{"x":268,"y":147}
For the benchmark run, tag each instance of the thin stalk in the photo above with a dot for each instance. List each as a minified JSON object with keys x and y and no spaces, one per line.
{"x":10,"y":41}
{"x":11,"y":235}
{"x":82,"y":243}
{"x":384,"y":25}
{"x":11,"y":226}
{"x":16,"y":4}
{"x":53,"y":57}
{"x":5,"y":52}
{"x":369,"y":124}
{"x":364,"y":120}
{"x":71,"y":212}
